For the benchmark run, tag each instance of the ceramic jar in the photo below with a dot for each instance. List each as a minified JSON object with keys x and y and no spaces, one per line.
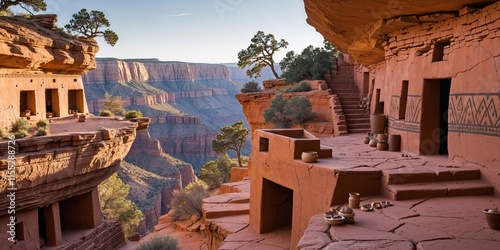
{"x":366,"y":140}
{"x":373,"y":143}
{"x":382,"y":145}
{"x":493,"y":218}
{"x":354,"y":200}
{"x":309,"y":156}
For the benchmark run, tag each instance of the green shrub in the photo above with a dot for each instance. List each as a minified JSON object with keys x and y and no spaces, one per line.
{"x":21,"y":133}
{"x":41,"y":132}
{"x":311,"y":64}
{"x":301,"y":87}
{"x":214,"y":173}
{"x":18,"y":125}
{"x":43,"y":123}
{"x":187,"y":202}
{"x":133,"y":114}
{"x":113,"y":104}
{"x":250,"y":87}
{"x":105,"y":112}
{"x":159,"y":242}
{"x":285,"y":113}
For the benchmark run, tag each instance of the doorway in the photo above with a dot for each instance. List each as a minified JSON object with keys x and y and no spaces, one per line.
{"x":277,"y":206}
{"x":52,"y":103}
{"x":434,"y":123}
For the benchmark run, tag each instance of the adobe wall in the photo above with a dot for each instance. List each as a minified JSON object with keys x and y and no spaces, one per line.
{"x":471,"y":61}
{"x":13,"y":84}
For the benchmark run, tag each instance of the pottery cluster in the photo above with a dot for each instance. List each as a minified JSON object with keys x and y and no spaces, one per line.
{"x":383,"y":141}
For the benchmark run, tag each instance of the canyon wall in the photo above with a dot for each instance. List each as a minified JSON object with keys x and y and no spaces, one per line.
{"x":152,"y":70}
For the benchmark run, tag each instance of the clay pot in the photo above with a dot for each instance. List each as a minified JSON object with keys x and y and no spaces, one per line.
{"x":372,"y":143}
{"x":354,"y":200}
{"x":394,"y":142}
{"x":382,"y":137}
{"x":377,"y":123}
{"x":493,"y":218}
{"x":366,"y":140}
{"x":382,"y":145}
{"x":82,"y":118}
{"x":309,"y":156}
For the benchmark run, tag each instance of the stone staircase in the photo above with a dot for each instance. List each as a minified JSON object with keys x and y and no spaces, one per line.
{"x":341,"y":83}
{"x":433,"y":181}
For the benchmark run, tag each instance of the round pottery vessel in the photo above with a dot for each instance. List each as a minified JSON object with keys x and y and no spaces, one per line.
{"x":334,"y":220}
{"x":381,"y":145}
{"x":377,"y":123}
{"x":309,"y":156}
{"x":354,"y":200}
{"x":492,"y":217}
{"x":382,"y":137}
{"x":394,"y":142}
{"x":373,"y":143}
{"x":366,"y":140}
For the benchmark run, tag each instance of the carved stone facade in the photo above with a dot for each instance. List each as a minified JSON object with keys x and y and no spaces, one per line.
{"x":433,"y":70}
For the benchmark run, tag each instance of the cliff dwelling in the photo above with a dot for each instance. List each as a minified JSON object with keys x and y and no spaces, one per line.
{"x":49,"y":183}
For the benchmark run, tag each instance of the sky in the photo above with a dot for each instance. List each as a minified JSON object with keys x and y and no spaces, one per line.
{"x":206,"y":31}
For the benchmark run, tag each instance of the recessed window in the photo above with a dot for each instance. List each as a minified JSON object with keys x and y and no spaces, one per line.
{"x":263,"y":144}
{"x":441,"y":50}
{"x":19,"y":231}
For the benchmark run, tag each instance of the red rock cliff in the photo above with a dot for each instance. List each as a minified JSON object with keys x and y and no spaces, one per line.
{"x":123,"y":71}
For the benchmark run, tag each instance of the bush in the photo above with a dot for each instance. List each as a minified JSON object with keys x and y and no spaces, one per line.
{"x":312,"y":64}
{"x":43,"y":124}
{"x":301,"y":87}
{"x":159,"y":242}
{"x":21,"y":133}
{"x":214,"y":173}
{"x":133,"y":114}
{"x":187,"y":202}
{"x":250,"y":87}
{"x":19,"y":125}
{"x":285,"y":113}
{"x":41,"y":132}
{"x":113,"y":104}
{"x":105,"y":112}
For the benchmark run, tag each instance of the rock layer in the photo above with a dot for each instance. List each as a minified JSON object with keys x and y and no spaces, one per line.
{"x":27,"y":46}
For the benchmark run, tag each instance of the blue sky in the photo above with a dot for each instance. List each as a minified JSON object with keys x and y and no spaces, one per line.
{"x":210,"y":31}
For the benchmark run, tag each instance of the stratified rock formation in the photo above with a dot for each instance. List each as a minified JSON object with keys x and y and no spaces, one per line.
{"x":187,"y":102}
{"x":147,"y":163}
{"x":49,"y":183}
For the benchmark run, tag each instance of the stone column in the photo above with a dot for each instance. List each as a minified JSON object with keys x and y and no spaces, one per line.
{"x":53,"y":224}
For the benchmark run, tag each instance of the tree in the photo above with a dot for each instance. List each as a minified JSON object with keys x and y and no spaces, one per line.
{"x":259,"y":54}
{"x":35,"y":5}
{"x":214,"y":173}
{"x":188,"y":202}
{"x":90,"y":24}
{"x":114,"y":104}
{"x":115,"y":205}
{"x":231,"y":138}
{"x":285,"y":113}
{"x":251,"y":86}
{"x":311,"y":64}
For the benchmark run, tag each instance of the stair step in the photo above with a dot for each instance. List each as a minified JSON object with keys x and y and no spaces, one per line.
{"x":436,"y":174}
{"x":358,"y":120}
{"x":348,"y":99}
{"x":354,"y":111}
{"x":357,"y":116}
{"x":216,"y":210}
{"x":358,"y":130}
{"x":348,"y":95}
{"x":350,"y":106}
{"x":439,"y":189}
{"x":358,"y":126}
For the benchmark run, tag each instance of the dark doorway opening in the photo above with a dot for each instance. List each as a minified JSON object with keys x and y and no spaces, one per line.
{"x":76,"y":101}
{"x":52,"y":103}
{"x":42,"y":231}
{"x":434,"y":129}
{"x":27,"y":102}
{"x":277,"y":206}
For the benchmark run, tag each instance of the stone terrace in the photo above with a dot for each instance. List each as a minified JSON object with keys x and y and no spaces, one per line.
{"x":437,"y":204}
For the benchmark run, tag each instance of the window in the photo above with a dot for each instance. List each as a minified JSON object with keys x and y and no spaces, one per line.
{"x":403,"y":100}
{"x":441,"y":50}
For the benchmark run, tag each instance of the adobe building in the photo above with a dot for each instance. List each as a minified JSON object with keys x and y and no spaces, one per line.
{"x":49,"y":183}
{"x":432,"y":69}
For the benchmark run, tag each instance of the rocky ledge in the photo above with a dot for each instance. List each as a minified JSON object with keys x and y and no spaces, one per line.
{"x":72,"y":160}
{"x":25,"y":44}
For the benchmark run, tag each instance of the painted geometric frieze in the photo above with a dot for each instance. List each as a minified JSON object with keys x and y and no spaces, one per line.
{"x":475,"y":113}
{"x":413,"y":108}
{"x":411,"y":123}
